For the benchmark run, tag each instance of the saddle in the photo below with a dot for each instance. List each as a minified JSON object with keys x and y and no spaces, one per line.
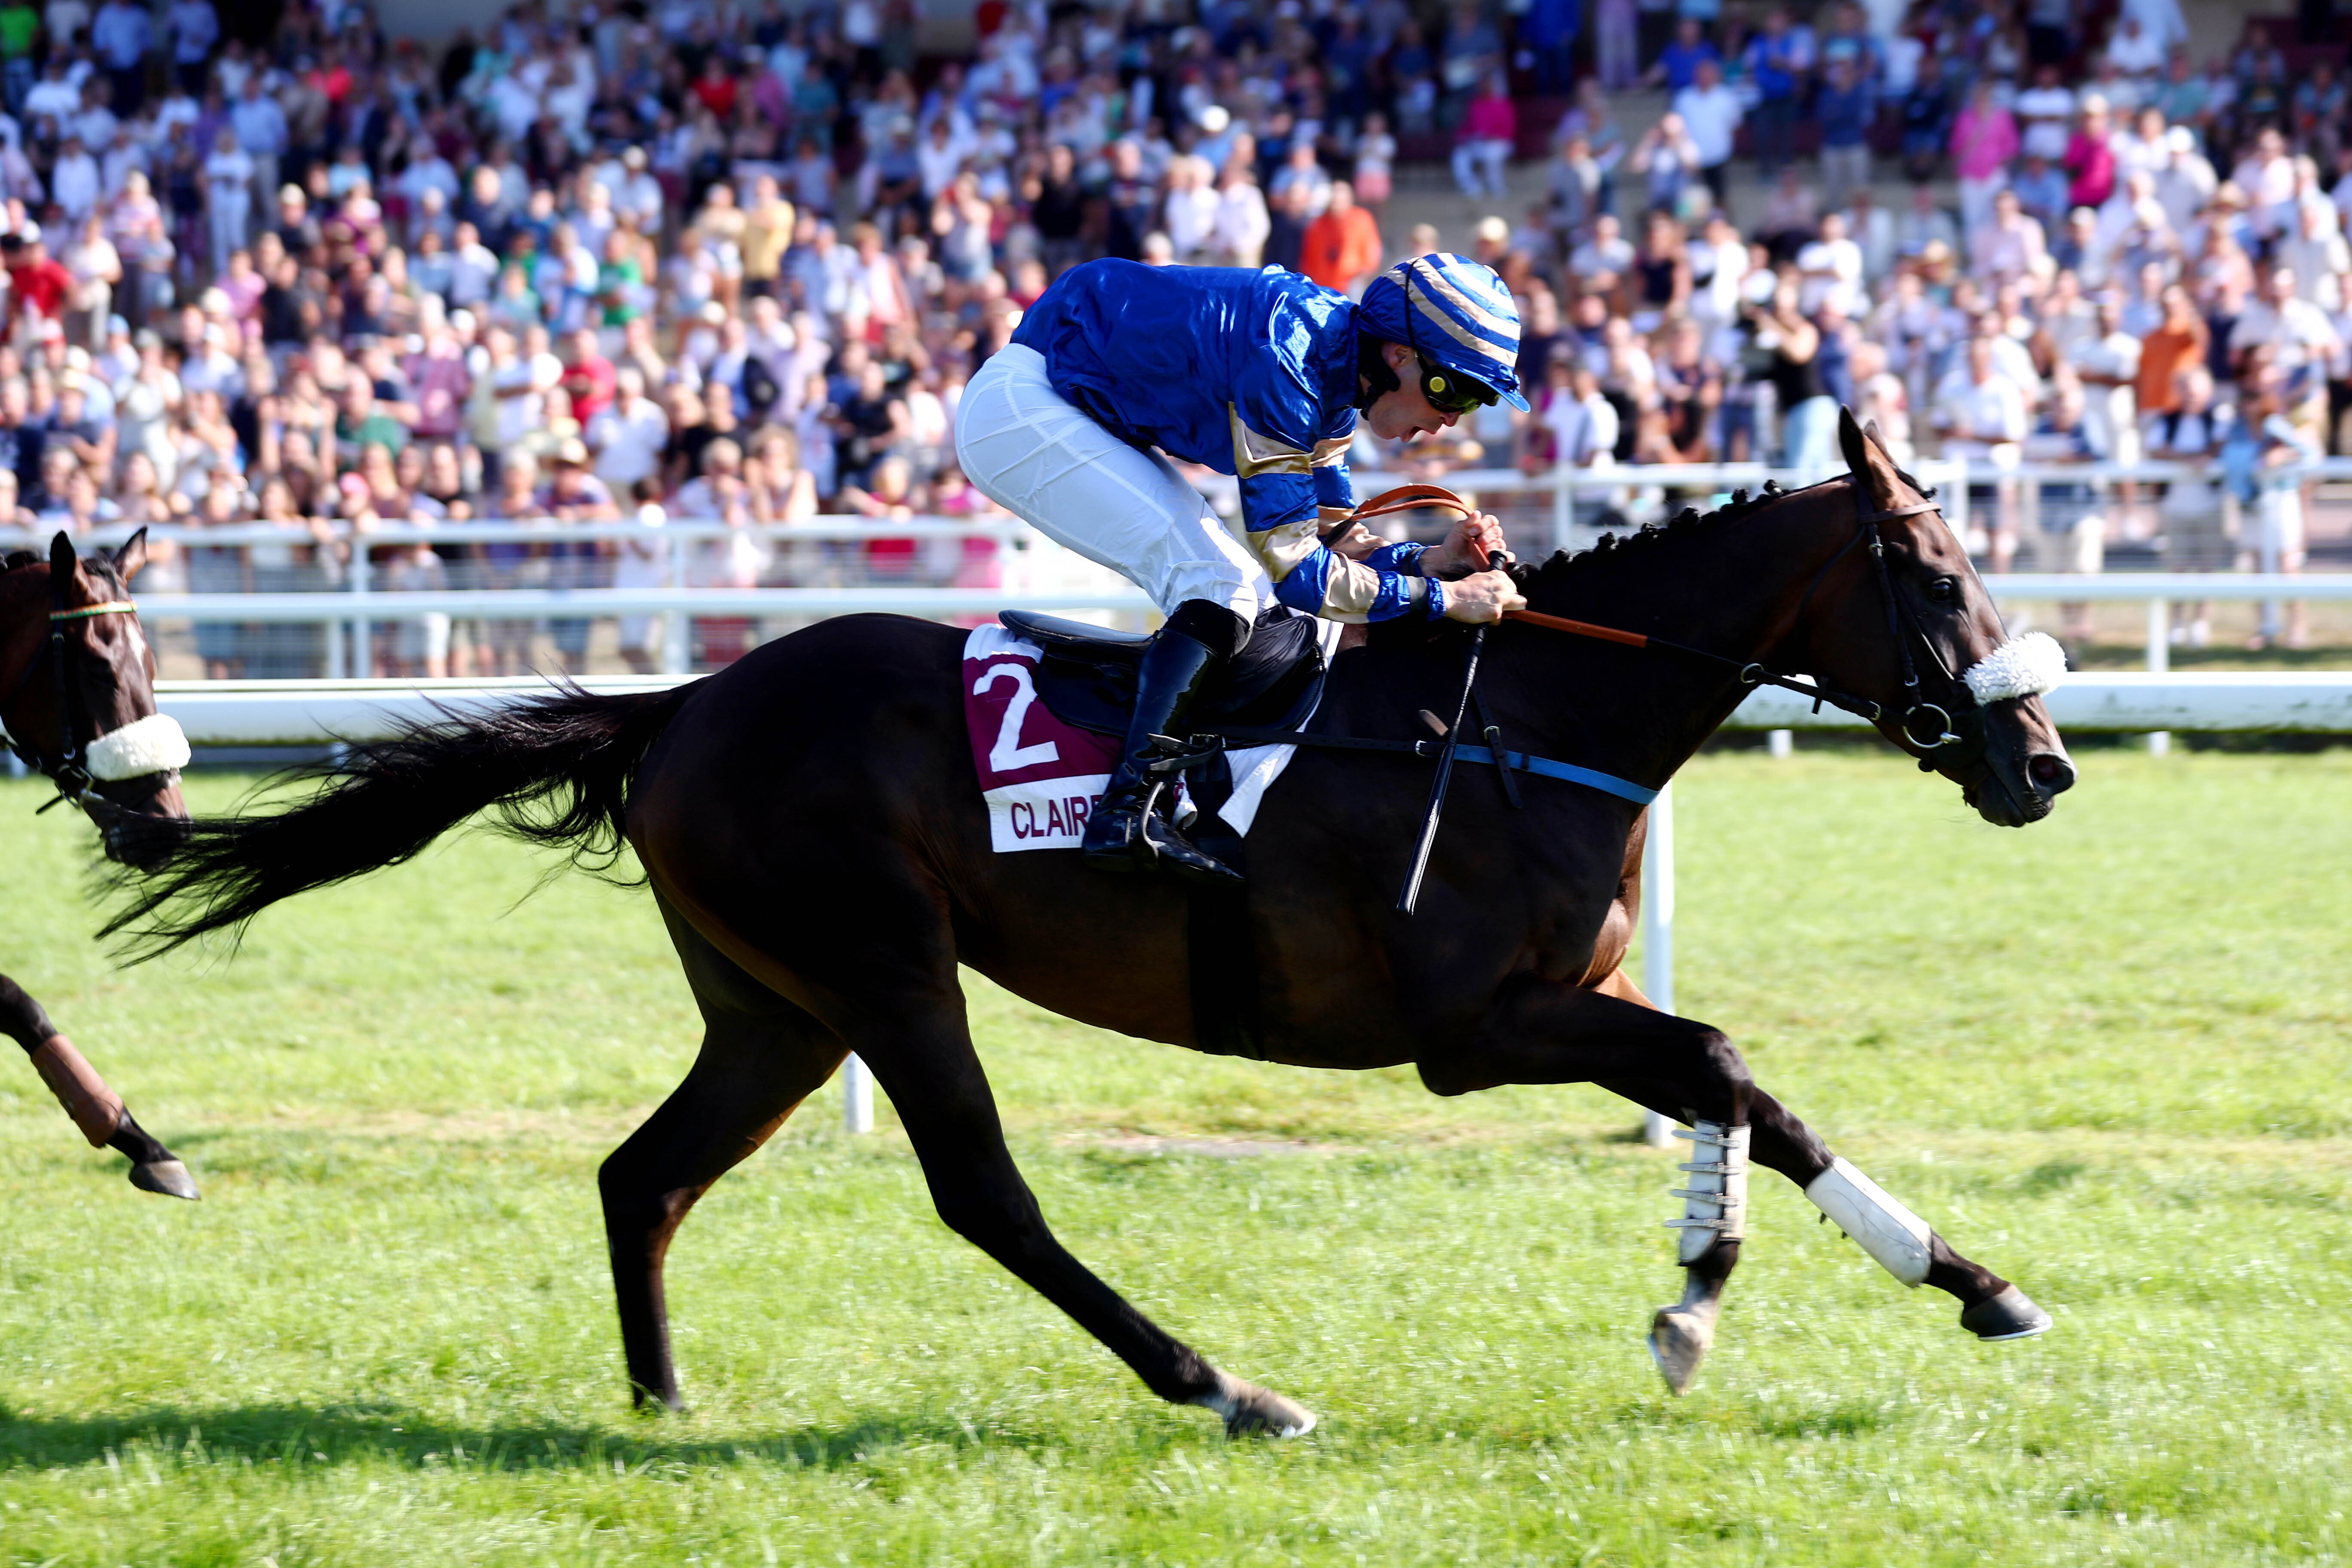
{"x":1086,"y":674}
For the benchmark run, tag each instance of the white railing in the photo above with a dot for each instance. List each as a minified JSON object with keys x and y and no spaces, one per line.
{"x":1568,"y":488}
{"x":359,"y":608}
{"x":1033,"y":573}
{"x":301,"y":713}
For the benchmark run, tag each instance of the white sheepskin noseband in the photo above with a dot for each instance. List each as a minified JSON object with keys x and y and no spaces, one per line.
{"x":2022,"y":667}
{"x":155,"y":744}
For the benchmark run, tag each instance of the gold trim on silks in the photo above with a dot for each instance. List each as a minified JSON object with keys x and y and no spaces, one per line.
{"x":1284,"y":546}
{"x":1350,"y":589}
{"x":1255,"y":454}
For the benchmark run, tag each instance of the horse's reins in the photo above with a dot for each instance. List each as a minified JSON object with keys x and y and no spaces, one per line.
{"x":1409,"y":497}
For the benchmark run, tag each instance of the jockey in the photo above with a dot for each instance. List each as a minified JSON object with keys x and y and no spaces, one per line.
{"x":1260,"y":374}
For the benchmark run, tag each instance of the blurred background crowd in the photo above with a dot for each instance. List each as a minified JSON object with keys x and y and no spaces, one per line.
{"x":689,"y":260}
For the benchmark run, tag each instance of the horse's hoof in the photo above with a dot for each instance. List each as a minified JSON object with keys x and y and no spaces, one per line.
{"x":1251,"y":1411}
{"x":2011,"y":1315}
{"x":1679,"y":1341}
{"x":168,"y":1177}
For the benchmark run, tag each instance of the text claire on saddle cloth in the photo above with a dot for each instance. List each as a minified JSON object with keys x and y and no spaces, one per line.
{"x":1264,"y":375}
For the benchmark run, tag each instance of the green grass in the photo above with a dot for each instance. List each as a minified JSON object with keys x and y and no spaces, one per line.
{"x":2107,"y":1055}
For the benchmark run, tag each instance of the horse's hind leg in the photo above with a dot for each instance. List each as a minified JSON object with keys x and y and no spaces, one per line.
{"x":760,"y":1057}
{"x":96,"y":1110}
{"x":887,"y":983}
{"x":922,"y":1052}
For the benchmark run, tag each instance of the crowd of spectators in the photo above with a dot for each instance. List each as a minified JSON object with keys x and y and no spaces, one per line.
{"x":2107,"y":251}
{"x":736,"y":264}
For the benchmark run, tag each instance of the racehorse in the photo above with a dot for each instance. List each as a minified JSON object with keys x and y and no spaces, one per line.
{"x":811,"y":823}
{"x":78,"y":700}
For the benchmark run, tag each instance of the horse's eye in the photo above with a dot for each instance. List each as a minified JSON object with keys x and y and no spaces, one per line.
{"x":1944,"y":590}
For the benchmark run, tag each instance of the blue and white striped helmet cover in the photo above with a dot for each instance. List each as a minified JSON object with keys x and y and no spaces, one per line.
{"x":1463,"y":317}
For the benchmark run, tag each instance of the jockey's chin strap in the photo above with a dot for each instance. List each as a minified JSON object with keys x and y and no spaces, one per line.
{"x":1409,"y":497}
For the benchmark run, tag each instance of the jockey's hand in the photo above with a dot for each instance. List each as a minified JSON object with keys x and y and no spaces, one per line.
{"x":1482,"y":596}
{"x":1456,"y":557}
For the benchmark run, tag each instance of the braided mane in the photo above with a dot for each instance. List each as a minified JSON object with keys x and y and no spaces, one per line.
{"x":1688,"y":520}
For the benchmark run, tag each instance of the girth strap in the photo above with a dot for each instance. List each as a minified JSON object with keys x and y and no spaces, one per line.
{"x":1521,"y":762}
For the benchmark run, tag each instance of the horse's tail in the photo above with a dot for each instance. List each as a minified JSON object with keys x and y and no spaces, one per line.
{"x":556,"y":770}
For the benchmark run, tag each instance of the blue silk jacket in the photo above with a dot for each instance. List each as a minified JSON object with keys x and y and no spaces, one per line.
{"x":1251,"y":374}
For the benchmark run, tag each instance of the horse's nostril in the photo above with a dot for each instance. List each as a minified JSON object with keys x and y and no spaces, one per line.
{"x":2050,"y":771}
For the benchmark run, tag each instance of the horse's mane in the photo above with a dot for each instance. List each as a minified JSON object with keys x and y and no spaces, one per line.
{"x":1690,"y":521}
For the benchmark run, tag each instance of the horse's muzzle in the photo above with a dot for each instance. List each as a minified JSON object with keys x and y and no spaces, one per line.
{"x":2003,"y":803}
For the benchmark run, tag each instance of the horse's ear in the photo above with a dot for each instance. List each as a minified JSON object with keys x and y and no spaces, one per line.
{"x":132,"y":556}
{"x":1868,"y":460}
{"x":1850,"y":443}
{"x":63,"y":562}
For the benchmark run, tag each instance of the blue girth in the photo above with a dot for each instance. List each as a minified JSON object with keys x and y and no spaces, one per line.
{"x":1518,"y":762}
{"x":1591,"y":778}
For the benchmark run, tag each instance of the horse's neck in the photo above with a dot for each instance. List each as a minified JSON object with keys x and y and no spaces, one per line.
{"x":1732,"y":586}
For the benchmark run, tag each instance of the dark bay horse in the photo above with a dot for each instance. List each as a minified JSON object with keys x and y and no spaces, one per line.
{"x":78,"y":700}
{"x":813,"y":830}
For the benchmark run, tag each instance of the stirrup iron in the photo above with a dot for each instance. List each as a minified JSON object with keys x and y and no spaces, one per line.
{"x":1175,"y":756}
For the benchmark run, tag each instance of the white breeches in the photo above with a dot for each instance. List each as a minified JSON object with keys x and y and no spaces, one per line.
{"x":1031,"y":451}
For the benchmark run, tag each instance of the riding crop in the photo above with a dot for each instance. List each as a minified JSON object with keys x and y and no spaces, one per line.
{"x":1411,"y":894}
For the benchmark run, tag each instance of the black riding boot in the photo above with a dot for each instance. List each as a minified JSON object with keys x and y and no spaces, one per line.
{"x":1131,"y":829}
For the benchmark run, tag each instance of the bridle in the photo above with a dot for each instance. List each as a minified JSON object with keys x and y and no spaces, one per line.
{"x":69,"y":770}
{"x":1964,"y":729}
{"x":1943,"y":729}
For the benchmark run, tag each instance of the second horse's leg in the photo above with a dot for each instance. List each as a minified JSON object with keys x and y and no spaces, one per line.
{"x":96,"y":1110}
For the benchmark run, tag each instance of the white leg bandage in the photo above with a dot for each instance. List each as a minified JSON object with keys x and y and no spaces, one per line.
{"x":1716,"y":1201}
{"x":155,"y":744}
{"x":1888,"y":1231}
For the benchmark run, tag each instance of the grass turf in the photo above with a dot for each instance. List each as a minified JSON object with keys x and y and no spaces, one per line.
{"x":2105,"y":1056}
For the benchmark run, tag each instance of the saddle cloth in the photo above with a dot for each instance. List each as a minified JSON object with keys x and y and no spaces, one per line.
{"x":1042,"y":776}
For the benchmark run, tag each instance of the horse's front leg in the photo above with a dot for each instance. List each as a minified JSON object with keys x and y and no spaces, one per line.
{"x":96,"y":1109}
{"x":1541,"y":1031}
{"x":1902,"y":1243}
